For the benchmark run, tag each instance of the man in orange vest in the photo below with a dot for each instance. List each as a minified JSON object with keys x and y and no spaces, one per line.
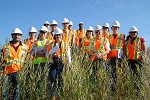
{"x":58,"y":49}
{"x":81,"y":33}
{"x":135,"y":50}
{"x":117,"y":42}
{"x":106,"y":30}
{"x":14,"y":54}
{"x":53,"y":26}
{"x":99,"y":51}
{"x":30,"y":41}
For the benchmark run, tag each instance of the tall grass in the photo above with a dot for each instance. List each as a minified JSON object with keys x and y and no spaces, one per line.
{"x":78,"y":84}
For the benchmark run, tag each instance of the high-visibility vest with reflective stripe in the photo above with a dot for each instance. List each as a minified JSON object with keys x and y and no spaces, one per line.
{"x":67,"y":36}
{"x":106,"y":35}
{"x":133,"y":50}
{"x":86,"y":44}
{"x":99,"y":47}
{"x":115,"y":44}
{"x":14,"y":59}
{"x":29,"y":43}
{"x":62,"y":52}
{"x":41,"y":45}
{"x":50,"y":37}
{"x":81,"y":33}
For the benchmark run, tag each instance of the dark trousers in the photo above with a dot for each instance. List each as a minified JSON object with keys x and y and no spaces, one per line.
{"x":55,"y":77}
{"x":11,"y":88}
{"x":133,"y":66}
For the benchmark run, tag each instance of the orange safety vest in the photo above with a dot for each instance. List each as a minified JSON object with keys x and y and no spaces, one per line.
{"x":99,"y":47}
{"x":81,"y":33}
{"x":86,"y":44}
{"x":67,"y":36}
{"x":62,"y":52}
{"x":14,"y":59}
{"x":29,"y":43}
{"x":133,"y":50}
{"x":106,"y":35}
{"x":115,"y":44}
{"x":50,"y":37}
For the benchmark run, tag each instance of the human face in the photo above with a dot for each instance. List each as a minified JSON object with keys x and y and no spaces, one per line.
{"x":53,"y":27}
{"x":133,"y":34}
{"x":32,"y":34}
{"x":70,"y":27}
{"x":105,"y":29}
{"x":43,"y":34}
{"x":89,"y":33}
{"x":98,"y":33}
{"x":58,"y":38}
{"x":16,"y":37}
{"x":65,"y":25}
{"x":80,"y":26}
{"x":115,"y":29}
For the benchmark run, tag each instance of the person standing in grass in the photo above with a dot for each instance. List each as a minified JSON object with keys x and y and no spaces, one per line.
{"x":116,"y":53}
{"x":59,"y":50}
{"x":39,"y":50}
{"x":106,"y":30}
{"x":100,"y":47}
{"x":14,"y":54}
{"x":135,"y":50}
{"x":30,"y":41}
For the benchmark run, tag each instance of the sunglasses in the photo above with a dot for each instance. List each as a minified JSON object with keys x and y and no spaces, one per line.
{"x":132,"y":32}
{"x":42,"y":32}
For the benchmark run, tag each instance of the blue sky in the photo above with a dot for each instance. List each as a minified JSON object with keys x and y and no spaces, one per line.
{"x":27,"y":13}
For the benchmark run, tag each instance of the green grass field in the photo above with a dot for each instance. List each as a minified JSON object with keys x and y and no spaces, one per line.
{"x":79,"y":86}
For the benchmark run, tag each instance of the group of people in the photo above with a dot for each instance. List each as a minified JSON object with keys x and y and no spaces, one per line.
{"x":98,"y":43}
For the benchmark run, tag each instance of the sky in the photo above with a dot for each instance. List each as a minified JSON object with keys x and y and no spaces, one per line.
{"x":27,"y":13}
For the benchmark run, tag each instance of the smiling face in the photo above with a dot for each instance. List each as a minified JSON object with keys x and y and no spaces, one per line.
{"x":89,"y":33}
{"x":98,"y":33}
{"x":53,"y":27}
{"x":16,"y":37}
{"x":115,"y":29}
{"x":105,"y":29}
{"x":58,"y":38}
{"x":65,"y":25}
{"x":32,"y":34}
{"x":43,"y":35}
{"x":133,"y":34}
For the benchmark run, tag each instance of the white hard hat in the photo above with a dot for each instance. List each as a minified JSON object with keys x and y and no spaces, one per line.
{"x":90,"y":28}
{"x":81,"y":23}
{"x":98,"y":27}
{"x":53,"y":22}
{"x":70,"y":23}
{"x":106,"y":25}
{"x":57,"y":31}
{"x":65,"y":20}
{"x":16,"y":30}
{"x":133,"y":29}
{"x":116,"y":24}
{"x":32,"y":29}
{"x":43,"y":28}
{"x":46,"y":22}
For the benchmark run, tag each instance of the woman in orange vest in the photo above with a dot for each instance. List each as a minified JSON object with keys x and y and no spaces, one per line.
{"x":85,"y":45}
{"x":14,"y":54}
{"x":99,"y":51}
{"x":117,"y":42}
{"x":135,"y":50}
{"x":30,"y":41}
{"x":58,"y":49}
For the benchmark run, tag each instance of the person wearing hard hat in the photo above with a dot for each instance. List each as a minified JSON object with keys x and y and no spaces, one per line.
{"x":100,"y":47}
{"x":53,"y":26}
{"x":116,"y":53}
{"x":39,"y":50}
{"x":60,"y":56}
{"x":135,"y":50}
{"x":81,"y":33}
{"x":67,"y":36}
{"x":30,"y":41}
{"x":14,"y":53}
{"x":87,"y":39}
{"x":74,"y":40}
{"x":47,"y":25}
{"x":106,"y":30}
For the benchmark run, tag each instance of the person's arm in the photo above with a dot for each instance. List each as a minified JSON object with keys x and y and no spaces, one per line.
{"x":144,"y":48}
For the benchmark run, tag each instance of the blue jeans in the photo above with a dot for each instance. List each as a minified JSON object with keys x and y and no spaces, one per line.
{"x":55,"y":78}
{"x":11,"y":88}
